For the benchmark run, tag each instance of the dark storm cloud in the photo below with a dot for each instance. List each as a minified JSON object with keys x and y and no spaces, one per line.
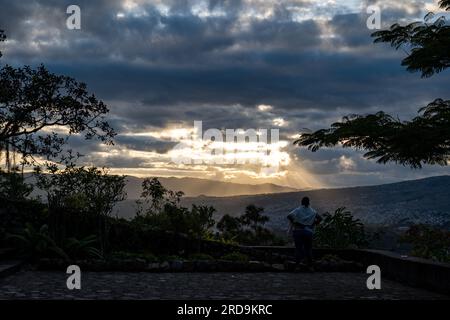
{"x":167,"y":61}
{"x":143,"y":143}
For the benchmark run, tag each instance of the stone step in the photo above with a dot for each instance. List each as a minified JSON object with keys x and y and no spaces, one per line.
{"x":8,"y":267}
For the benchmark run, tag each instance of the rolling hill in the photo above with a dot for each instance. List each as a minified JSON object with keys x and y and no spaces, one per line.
{"x":398,"y":204}
{"x":389,"y":205}
{"x":193,"y":187}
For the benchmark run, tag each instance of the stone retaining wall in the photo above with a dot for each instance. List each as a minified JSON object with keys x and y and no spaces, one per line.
{"x":412,"y":271}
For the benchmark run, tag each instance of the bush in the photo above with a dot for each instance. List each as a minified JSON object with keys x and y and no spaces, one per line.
{"x":330,"y":257}
{"x":159,"y":208}
{"x":80,"y":200}
{"x":36,"y":243}
{"x":172,"y":257}
{"x":16,"y":214}
{"x":85,"y":248}
{"x":248,"y":229}
{"x":340,"y":230}
{"x":201,"y":256}
{"x":428,"y":242}
{"x":121,"y":255}
{"x":236,"y":257}
{"x":16,"y":209}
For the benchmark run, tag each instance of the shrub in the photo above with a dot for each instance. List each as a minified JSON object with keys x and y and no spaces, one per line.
{"x":172,"y":257}
{"x":80,"y":201}
{"x":159,"y":208}
{"x":16,"y":208}
{"x":330,"y":257}
{"x":122,"y":255}
{"x":201,"y":256}
{"x":248,"y":229}
{"x":340,"y":230}
{"x":428,"y":242}
{"x":82,"y":248}
{"x":235,"y":256}
{"x":36,"y":243}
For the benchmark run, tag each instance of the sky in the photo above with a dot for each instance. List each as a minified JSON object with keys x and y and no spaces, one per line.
{"x":244,"y":64}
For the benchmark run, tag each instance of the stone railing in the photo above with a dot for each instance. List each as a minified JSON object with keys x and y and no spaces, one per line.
{"x":412,"y":271}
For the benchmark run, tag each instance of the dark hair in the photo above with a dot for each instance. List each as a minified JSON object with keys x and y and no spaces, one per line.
{"x":305,"y":201}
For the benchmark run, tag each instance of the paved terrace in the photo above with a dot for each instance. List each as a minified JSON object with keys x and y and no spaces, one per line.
{"x":282,"y":286}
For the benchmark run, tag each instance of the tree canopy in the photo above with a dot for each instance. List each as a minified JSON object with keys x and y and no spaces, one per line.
{"x":39,"y":110}
{"x":423,"y":140}
{"x":428,"y":42}
{"x":35,"y":102}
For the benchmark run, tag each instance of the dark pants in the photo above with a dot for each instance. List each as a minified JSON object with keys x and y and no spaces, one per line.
{"x":303,"y":245}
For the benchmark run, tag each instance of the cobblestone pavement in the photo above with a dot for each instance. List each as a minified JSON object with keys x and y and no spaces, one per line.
{"x":280,"y":286}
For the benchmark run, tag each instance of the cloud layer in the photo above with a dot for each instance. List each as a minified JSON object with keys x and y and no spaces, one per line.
{"x":161,"y":65}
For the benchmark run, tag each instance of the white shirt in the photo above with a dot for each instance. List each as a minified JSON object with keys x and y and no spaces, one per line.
{"x":303,"y":215}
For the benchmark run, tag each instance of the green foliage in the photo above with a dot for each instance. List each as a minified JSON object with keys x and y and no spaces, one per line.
{"x":80,"y":201}
{"x":32,"y":103}
{"x":122,"y":255}
{"x":37,"y":243}
{"x":85,"y":189}
{"x":219,"y":238}
{"x":16,"y":209}
{"x":171,"y":257}
{"x":160,"y":208}
{"x":340,"y":230}
{"x":35,"y":99}
{"x":195,"y":222}
{"x":428,"y":42}
{"x":201,"y":257}
{"x":229,"y":226}
{"x":13,"y":186}
{"x":201,"y":220}
{"x":423,"y":140}
{"x":247,"y":229}
{"x":83,"y":248}
{"x":428,"y":242}
{"x":236,"y":257}
{"x":155,"y":196}
{"x":253,"y":217}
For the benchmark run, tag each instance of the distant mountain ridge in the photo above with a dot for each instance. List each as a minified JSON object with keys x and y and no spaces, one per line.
{"x":391,"y":205}
{"x":396,"y":204}
{"x":194,"y":187}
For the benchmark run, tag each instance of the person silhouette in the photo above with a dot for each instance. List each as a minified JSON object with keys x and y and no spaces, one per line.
{"x":302,"y":221}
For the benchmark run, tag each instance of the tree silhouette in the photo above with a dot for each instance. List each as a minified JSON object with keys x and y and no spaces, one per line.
{"x":423,"y":140}
{"x":155,"y":196}
{"x":253,"y":217}
{"x":34,"y":102}
{"x":80,"y":192}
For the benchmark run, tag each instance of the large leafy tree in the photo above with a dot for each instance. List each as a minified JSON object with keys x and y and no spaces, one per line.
{"x":76,"y":193}
{"x":34,"y":103}
{"x":423,"y":140}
